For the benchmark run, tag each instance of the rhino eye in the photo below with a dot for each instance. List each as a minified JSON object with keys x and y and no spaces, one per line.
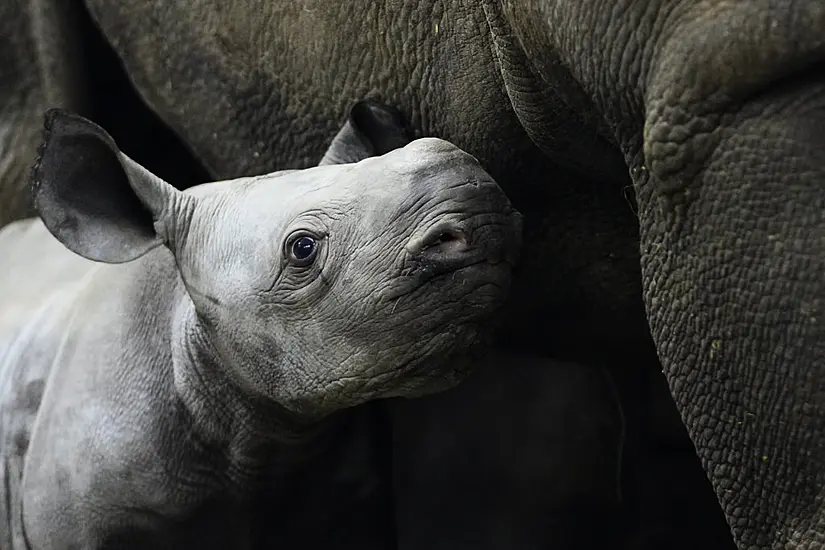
{"x":302,"y":249}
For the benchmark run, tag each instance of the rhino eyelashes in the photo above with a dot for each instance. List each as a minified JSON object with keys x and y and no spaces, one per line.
{"x":443,"y":238}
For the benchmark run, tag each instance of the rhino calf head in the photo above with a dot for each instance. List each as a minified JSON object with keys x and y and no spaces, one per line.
{"x":317,"y":289}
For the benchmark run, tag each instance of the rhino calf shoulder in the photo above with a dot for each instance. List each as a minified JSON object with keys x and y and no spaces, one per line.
{"x":162,"y":351}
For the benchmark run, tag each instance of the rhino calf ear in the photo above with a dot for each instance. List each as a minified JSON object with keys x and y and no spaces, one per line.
{"x":96,"y":201}
{"x":372,"y":129}
{"x":382,"y":125}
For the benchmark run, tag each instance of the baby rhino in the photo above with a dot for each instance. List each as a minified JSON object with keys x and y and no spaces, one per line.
{"x":163,"y":351}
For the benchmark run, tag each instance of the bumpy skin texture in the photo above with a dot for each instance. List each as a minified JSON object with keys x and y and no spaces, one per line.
{"x":718,"y":112}
{"x":161,"y":401}
{"x":715,"y":110}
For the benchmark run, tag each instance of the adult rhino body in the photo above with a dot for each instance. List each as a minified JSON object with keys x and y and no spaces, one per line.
{"x":160,"y":402}
{"x":714,"y":109}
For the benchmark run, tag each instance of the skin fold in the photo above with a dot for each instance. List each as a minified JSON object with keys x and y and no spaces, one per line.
{"x":163,"y":395}
{"x":667,"y":156}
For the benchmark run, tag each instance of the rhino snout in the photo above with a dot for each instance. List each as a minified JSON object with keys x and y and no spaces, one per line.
{"x":452,"y":244}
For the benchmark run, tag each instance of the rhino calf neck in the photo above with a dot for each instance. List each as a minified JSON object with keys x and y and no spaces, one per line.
{"x":161,"y":352}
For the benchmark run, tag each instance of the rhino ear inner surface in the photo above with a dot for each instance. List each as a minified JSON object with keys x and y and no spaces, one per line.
{"x":371,"y":129}
{"x":96,"y":201}
{"x":381,"y":124}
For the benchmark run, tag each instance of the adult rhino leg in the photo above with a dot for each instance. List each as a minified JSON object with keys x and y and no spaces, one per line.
{"x":53,"y":55}
{"x":733,"y":256}
{"x":732,"y":262}
{"x":720,"y":111}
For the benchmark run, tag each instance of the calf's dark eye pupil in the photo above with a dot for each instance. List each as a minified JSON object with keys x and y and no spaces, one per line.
{"x":303,"y":248}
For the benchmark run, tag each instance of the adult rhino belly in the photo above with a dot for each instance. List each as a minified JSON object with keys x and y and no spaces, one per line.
{"x":37,"y":283}
{"x":262,"y":85}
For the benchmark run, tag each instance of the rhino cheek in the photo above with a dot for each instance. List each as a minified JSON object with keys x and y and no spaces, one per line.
{"x":374,"y":359}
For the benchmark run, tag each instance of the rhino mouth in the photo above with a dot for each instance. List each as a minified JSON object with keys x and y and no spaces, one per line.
{"x":475,"y":273}
{"x":439,"y":368}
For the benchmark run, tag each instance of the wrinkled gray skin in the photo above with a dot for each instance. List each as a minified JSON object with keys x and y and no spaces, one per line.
{"x":711,"y":113}
{"x":149,"y":395}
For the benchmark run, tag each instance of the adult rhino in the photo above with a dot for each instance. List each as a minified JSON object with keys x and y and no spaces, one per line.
{"x":163,"y":401}
{"x":709,"y":112}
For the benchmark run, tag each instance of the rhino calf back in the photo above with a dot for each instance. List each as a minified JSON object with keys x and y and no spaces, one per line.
{"x":38,"y":279}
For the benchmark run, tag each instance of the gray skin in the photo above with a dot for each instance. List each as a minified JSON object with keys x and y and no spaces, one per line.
{"x":710,"y":113}
{"x":164,"y":354}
